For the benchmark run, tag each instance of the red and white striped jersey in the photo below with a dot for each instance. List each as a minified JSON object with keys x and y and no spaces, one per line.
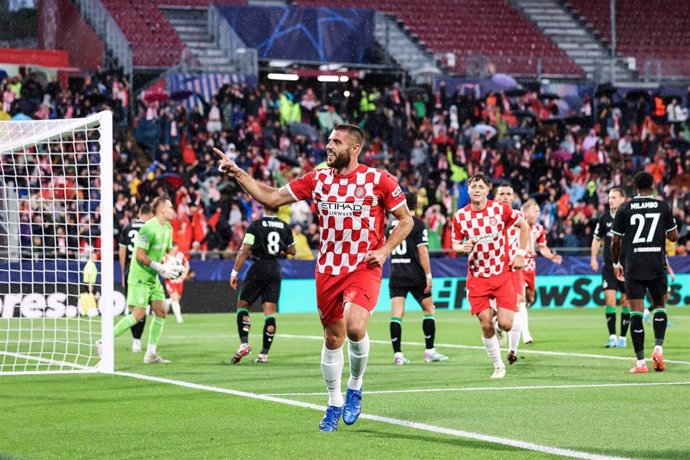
{"x":351,"y":210}
{"x":514,"y":239}
{"x":488,"y":230}
{"x":537,"y":239}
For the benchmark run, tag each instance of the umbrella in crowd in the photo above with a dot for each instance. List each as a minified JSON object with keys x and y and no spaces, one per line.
{"x":484,"y":129}
{"x":181,"y":95}
{"x":96,"y":99}
{"x":607,"y":90}
{"x":504,"y":81}
{"x":303,"y":129}
{"x":637,"y":94}
{"x":549,"y":96}
{"x":585,"y":122}
{"x":155,"y":97}
{"x":174,"y":181}
{"x":516,"y":92}
{"x":288,"y":161}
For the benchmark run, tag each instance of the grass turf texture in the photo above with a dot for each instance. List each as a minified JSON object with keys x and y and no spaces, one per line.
{"x":88,"y":416}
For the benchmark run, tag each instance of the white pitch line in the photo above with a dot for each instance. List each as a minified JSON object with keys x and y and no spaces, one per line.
{"x":377,"y":418}
{"x":535,"y":387}
{"x":476,"y":347}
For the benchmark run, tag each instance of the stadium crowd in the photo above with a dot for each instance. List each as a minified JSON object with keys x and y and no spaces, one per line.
{"x":432,"y":140}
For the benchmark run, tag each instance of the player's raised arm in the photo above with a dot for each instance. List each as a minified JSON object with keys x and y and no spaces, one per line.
{"x":264,"y":194}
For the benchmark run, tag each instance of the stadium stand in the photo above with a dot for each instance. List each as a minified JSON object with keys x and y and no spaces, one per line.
{"x":154,"y":41}
{"x":646,"y":30}
{"x":468,"y":28}
{"x":431,"y":140}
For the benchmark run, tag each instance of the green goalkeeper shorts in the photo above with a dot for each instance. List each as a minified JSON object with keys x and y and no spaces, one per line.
{"x":142,"y":294}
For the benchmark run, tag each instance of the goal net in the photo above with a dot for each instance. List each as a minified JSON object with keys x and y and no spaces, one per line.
{"x":56,"y":245}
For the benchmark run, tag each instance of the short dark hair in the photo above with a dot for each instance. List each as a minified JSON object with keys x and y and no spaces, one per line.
{"x":620,"y":191}
{"x":643,"y":181}
{"x":411,"y":199}
{"x":480,"y":177}
{"x":504,"y":184}
{"x":158,"y":201}
{"x":271,"y":210}
{"x":352,"y":130}
{"x":145,"y":209}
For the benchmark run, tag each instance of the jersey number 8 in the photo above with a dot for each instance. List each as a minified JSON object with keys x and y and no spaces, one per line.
{"x":273,"y":243}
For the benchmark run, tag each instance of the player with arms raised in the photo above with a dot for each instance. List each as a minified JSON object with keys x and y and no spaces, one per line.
{"x":480,"y":230}
{"x":640,"y":230}
{"x":411,"y":273}
{"x":610,"y":284}
{"x":128,"y":241}
{"x":351,"y":201}
{"x":143,"y":286}
{"x":266,"y":239}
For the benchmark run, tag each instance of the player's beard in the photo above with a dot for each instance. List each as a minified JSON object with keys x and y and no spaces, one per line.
{"x":339,"y":161}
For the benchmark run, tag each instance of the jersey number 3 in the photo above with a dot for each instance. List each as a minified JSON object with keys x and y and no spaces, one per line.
{"x":639,"y":221}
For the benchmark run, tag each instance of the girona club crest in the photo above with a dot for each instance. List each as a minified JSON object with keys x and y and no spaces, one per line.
{"x":359,"y":193}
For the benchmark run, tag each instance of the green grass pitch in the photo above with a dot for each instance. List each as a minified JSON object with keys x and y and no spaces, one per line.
{"x":598,"y":409}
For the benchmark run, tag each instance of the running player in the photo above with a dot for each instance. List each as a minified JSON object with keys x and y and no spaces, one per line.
{"x":411,"y":273}
{"x":640,"y":229}
{"x":505,"y":194}
{"x":537,"y":242}
{"x":144,"y":287}
{"x":175,"y":287}
{"x":480,"y":230}
{"x":128,"y":240}
{"x":266,"y":239}
{"x":610,"y":284}
{"x":351,"y":200}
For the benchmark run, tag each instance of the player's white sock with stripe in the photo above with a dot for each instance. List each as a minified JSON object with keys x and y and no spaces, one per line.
{"x":493,"y":348}
{"x":332,"y":362}
{"x":359,"y":356}
{"x":514,"y":333}
{"x":177,"y":310}
{"x":524,"y":322}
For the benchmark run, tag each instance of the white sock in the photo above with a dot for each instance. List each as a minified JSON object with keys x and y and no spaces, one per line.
{"x":177,"y":310}
{"x":359,"y":355}
{"x":332,"y":362}
{"x":659,"y":348}
{"x":430,"y":350}
{"x":494,"y":350}
{"x":514,"y":333}
{"x":151,"y":349}
{"x":640,"y":362}
{"x":524,"y":322}
{"x":136,"y":342}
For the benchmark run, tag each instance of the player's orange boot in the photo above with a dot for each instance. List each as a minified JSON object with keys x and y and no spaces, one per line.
{"x":658,"y":359}
{"x":643,"y":369}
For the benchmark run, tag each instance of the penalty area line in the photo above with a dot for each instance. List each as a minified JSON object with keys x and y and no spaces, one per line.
{"x":512,"y":388}
{"x":377,"y":418}
{"x":477,"y":347}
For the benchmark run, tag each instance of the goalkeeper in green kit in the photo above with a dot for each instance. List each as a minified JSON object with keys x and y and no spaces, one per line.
{"x":144,"y":286}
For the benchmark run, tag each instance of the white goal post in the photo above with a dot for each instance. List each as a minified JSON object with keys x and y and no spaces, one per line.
{"x":56,"y":245}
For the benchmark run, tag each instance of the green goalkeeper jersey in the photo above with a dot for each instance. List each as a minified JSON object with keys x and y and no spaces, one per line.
{"x":155,"y":239}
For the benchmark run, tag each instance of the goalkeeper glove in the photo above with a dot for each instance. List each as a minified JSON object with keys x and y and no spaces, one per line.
{"x":168,"y":270}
